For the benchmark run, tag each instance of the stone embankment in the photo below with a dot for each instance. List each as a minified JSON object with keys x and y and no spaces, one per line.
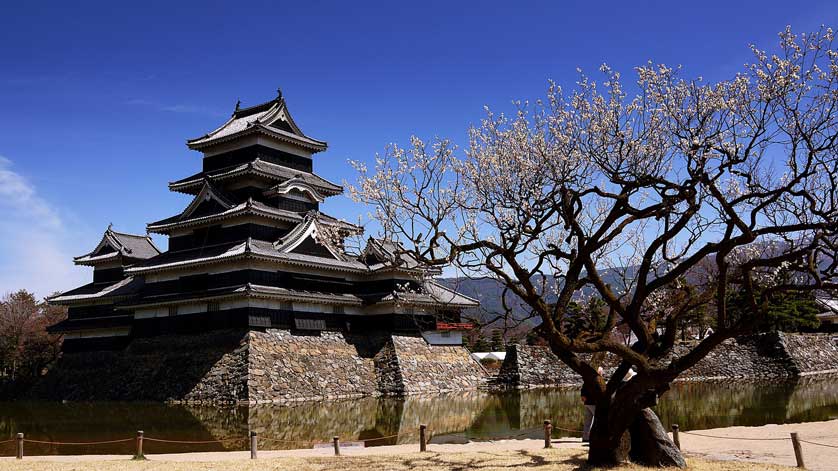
{"x":270,"y":366}
{"x":765,"y":356}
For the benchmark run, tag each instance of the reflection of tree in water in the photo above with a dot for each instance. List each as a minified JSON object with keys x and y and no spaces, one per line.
{"x":522,"y":413}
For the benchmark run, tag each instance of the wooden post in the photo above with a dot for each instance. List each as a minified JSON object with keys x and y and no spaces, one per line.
{"x":675,"y":437}
{"x":548,"y":434}
{"x":798,"y":450}
{"x":20,"y":446}
{"x":423,"y":440}
{"x":253,"y":445}
{"x":336,"y":441}
{"x":139,"y":455}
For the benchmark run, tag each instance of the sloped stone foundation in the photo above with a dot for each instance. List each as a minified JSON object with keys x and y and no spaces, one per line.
{"x":422,"y":368}
{"x":765,"y":356}
{"x":209,"y":366}
{"x":270,"y":366}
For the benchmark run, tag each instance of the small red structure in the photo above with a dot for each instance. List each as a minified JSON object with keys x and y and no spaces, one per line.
{"x":454,"y":326}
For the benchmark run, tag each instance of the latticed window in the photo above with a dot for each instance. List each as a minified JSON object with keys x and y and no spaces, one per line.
{"x":286,"y":306}
{"x":338,"y":310}
{"x":213,"y":306}
{"x":172,"y":310}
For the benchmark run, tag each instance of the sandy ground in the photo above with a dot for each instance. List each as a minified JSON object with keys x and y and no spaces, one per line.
{"x":731,"y":445}
{"x":739,"y":444}
{"x":503,"y":458}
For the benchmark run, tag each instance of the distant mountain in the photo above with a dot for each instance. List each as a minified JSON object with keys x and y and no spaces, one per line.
{"x":490,"y":291}
{"x":490,"y":294}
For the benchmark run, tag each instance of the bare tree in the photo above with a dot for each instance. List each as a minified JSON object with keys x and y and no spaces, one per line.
{"x":738,"y":175}
{"x":26,"y":347}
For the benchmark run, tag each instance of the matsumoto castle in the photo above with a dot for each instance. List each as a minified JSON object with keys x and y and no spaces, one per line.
{"x":256,"y":298}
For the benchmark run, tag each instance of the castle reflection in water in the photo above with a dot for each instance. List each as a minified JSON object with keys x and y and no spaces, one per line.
{"x":451,"y":418}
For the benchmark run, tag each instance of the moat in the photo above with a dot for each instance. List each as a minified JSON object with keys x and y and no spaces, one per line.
{"x":451,"y":418}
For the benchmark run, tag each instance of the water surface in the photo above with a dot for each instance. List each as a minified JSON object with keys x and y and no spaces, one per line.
{"x":451,"y":418}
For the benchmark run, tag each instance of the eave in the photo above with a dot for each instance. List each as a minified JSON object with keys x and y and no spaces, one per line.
{"x":246,"y":251}
{"x":252,"y":291}
{"x":248,"y":208}
{"x":267,"y":170}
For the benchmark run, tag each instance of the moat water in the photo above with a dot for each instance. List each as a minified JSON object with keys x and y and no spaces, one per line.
{"x":451,"y":418}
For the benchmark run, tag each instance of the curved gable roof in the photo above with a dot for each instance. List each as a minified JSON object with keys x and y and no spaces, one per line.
{"x":271,"y":118}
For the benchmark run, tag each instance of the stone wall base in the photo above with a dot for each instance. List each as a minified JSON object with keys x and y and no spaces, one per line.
{"x":270,"y":366}
{"x":765,"y":356}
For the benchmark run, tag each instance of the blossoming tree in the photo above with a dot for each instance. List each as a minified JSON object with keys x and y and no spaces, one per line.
{"x":691,"y":190}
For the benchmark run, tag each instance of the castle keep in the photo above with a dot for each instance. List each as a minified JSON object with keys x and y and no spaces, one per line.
{"x":257,"y":299}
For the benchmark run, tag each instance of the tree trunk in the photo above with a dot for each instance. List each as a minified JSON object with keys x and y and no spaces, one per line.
{"x":650,"y":443}
{"x":610,"y":443}
{"x":623,"y":434}
{"x":608,"y":449}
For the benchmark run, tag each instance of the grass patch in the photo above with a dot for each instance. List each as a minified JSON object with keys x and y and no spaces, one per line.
{"x":554,"y":459}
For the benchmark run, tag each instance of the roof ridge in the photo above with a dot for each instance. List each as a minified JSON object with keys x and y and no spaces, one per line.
{"x":249,"y":110}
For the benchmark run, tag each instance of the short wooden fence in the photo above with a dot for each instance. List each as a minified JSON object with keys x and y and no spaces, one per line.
{"x":253,"y":437}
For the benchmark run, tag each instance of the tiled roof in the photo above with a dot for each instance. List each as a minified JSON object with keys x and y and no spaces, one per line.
{"x":829,"y":305}
{"x":271,"y":118}
{"x":310,"y":227}
{"x":250,"y":248}
{"x":248,"y":289}
{"x":390,"y":254}
{"x":433,"y":293}
{"x":298,"y":295}
{"x":128,"y":245}
{"x":261,"y":167}
{"x":248,"y":207}
{"x":95,"y":291}
{"x":296,"y":183}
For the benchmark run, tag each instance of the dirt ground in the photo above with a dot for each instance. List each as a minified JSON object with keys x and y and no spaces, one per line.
{"x":749,"y":444}
{"x":559,"y":459}
{"x":731,"y":448}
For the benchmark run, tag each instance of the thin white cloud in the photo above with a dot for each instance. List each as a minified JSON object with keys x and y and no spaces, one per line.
{"x":175,"y":108}
{"x":36,"y":246}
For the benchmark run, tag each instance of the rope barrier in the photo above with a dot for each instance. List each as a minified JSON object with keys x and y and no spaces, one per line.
{"x":45,"y":442}
{"x":566,"y":429}
{"x":7,"y":441}
{"x":379,"y":438}
{"x":193,"y":442}
{"x":818,"y":444}
{"x":509,"y":437}
{"x":733,"y":438}
{"x":278,"y":440}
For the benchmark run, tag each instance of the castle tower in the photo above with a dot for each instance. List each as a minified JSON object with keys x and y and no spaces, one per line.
{"x":253,"y":251}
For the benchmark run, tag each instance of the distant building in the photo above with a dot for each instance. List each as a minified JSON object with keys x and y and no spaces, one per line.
{"x":253,"y":250}
{"x":829,"y":313}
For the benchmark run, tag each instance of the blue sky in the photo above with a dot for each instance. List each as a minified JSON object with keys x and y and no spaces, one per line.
{"x":99,"y":98}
